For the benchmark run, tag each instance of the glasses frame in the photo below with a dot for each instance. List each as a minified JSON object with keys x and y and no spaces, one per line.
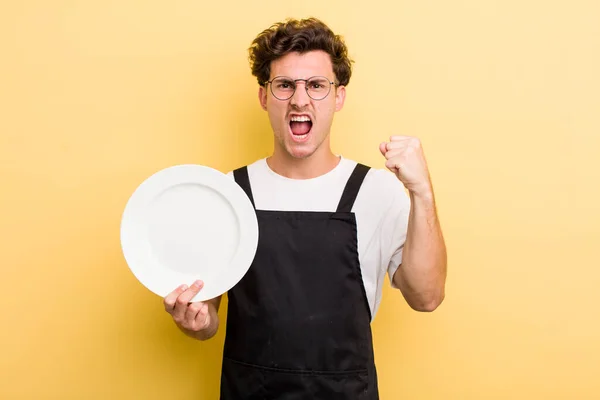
{"x":331,"y":83}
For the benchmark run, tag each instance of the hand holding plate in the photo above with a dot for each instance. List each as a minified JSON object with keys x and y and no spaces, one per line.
{"x":194,"y":319}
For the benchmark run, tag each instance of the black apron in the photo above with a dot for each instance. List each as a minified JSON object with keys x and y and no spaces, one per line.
{"x":299,"y":323}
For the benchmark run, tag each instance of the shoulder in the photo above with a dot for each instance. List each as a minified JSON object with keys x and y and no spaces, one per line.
{"x":253,"y":167}
{"x":384,"y":182}
{"x":384,"y":179}
{"x":382,"y":190}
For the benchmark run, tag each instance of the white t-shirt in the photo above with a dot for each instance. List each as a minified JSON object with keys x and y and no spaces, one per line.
{"x":381,"y":209}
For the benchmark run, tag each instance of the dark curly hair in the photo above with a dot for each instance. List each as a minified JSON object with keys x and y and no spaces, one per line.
{"x":300,"y":36}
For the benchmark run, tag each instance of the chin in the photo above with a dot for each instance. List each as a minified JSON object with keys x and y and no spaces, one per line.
{"x":300,"y":152}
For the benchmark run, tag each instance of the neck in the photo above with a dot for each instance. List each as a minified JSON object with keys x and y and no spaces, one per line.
{"x":317,"y":164}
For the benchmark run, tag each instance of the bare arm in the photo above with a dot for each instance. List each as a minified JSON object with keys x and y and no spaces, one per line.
{"x":422,"y":275}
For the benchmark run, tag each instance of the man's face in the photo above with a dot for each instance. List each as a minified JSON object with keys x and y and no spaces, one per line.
{"x":301,"y":124}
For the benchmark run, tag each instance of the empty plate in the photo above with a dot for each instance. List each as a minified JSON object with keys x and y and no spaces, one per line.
{"x":189,"y":222}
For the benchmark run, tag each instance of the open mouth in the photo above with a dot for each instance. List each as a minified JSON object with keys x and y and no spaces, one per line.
{"x":300,"y":126}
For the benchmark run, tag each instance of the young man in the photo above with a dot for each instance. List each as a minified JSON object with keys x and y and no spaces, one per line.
{"x":298,"y":323}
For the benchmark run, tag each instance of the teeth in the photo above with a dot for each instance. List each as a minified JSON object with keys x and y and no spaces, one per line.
{"x":300,"y":118}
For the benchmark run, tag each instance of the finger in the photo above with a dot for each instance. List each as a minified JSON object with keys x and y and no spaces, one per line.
{"x":202,"y":317}
{"x":383,"y":148}
{"x":192,"y":311}
{"x":182,"y":302}
{"x":402,"y":144}
{"x":394,"y":153}
{"x":393,"y":165}
{"x":171,"y":298}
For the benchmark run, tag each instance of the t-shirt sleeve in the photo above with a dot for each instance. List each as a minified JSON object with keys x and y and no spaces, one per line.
{"x":394,"y":228}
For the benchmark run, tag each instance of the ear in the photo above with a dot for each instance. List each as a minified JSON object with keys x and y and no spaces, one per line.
{"x":262,"y":97}
{"x":340,"y":97}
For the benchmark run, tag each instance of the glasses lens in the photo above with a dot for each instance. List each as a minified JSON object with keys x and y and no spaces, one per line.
{"x":318,"y":87}
{"x":283,"y":88}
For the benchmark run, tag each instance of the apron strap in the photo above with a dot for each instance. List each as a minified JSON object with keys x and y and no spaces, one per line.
{"x":242,"y":179}
{"x":352,"y":188}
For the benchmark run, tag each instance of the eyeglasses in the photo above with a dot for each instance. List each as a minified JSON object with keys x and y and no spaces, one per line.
{"x":317,"y":87}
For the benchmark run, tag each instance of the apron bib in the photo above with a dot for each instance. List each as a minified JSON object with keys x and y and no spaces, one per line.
{"x":299,"y":323}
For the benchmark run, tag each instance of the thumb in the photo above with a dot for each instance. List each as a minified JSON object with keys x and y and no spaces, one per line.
{"x":203,"y":317}
{"x":383,"y":148}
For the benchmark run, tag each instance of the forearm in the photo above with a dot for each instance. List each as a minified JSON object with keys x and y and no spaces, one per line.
{"x":422,"y":275}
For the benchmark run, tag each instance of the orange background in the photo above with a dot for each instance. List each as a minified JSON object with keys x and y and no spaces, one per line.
{"x":97,"y":95}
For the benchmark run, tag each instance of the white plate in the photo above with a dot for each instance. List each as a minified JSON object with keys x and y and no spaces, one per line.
{"x":189,"y":222}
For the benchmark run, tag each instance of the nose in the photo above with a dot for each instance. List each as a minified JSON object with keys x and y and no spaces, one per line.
{"x":300,"y":98}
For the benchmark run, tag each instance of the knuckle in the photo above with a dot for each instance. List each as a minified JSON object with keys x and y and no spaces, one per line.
{"x":181,"y":300}
{"x":169,"y":307}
